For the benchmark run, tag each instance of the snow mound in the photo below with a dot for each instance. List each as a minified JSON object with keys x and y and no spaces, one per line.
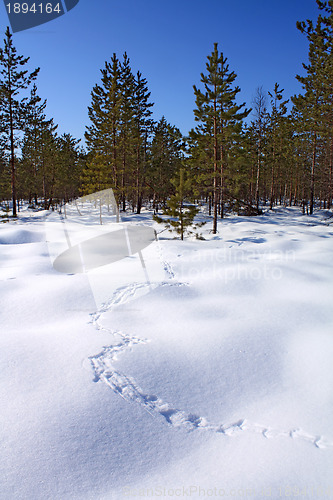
{"x":15,"y":236}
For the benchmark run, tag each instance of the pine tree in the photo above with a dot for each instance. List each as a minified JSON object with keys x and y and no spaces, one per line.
{"x":33,"y":147}
{"x":165,"y":159}
{"x":143,"y":126}
{"x":180,"y":214}
{"x":314,"y":107}
{"x":259,"y":130}
{"x":327,"y":74}
{"x":102,"y":136}
{"x":94,"y":177}
{"x":238,"y":176}
{"x":5,"y":188}
{"x":117,"y":138}
{"x":69,"y":168}
{"x":276,"y":138}
{"x":127,"y":134}
{"x":219,"y":118}
{"x":13,"y":80}
{"x":49,"y":167}
{"x":199,"y":156}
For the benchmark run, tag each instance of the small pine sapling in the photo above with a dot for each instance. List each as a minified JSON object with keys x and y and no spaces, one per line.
{"x":180,"y":213}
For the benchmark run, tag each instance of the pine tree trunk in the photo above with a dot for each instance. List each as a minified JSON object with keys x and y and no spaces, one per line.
{"x":12,"y":149}
{"x":272,"y":179}
{"x":272,"y":191}
{"x":330,"y":179}
{"x":251,"y":182}
{"x":114,"y":156}
{"x":285,"y":194}
{"x":222,"y":182}
{"x":291,"y":191}
{"x":258,"y":174}
{"x":312,"y":185}
{"x":215,"y":201}
{"x":181,"y":194}
{"x":44,"y":186}
{"x":123,"y":184}
{"x":295,"y":192}
{"x":138,"y":198}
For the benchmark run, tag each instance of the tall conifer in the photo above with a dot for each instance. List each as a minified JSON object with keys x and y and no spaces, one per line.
{"x":314,"y":106}
{"x":13,"y":80}
{"x":219,"y":116}
{"x":143,"y":127}
{"x":37,"y":127}
{"x":102,"y":135}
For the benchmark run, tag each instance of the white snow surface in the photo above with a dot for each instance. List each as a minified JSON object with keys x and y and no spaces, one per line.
{"x":207,"y":372}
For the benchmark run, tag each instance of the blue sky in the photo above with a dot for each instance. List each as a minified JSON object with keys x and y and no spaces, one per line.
{"x":168,"y":41}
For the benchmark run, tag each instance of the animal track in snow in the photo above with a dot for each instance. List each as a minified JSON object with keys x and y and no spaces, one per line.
{"x":126,"y":387}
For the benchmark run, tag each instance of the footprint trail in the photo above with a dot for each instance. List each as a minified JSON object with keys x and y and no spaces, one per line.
{"x":103,"y":365}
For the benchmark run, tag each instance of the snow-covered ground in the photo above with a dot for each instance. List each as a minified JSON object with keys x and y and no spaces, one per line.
{"x":202,"y":370}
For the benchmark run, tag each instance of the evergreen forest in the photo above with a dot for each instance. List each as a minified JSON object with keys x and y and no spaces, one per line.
{"x":239,"y":158}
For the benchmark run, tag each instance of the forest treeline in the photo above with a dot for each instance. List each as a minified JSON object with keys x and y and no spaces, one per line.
{"x":235,"y":159}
